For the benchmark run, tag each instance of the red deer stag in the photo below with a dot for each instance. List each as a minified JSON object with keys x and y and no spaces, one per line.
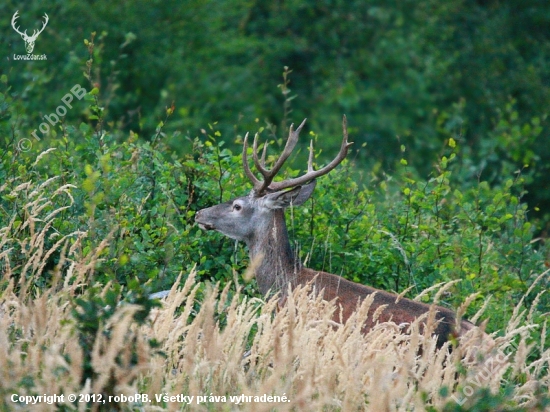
{"x":258,"y":219}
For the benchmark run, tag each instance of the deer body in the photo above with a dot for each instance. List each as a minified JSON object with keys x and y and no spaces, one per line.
{"x":258,"y":220}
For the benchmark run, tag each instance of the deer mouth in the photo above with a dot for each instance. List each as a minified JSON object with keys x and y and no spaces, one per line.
{"x":202,"y":224}
{"x":206,"y":226}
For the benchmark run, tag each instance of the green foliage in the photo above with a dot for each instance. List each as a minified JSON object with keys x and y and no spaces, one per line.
{"x":416,"y":71}
{"x":393,"y":232}
{"x":135,"y":198}
{"x":405,"y":232}
{"x":483,"y":400}
{"x":131,"y":196}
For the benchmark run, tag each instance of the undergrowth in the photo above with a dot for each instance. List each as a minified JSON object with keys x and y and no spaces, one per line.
{"x":74,"y":335}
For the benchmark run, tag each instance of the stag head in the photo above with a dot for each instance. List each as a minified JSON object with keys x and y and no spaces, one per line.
{"x":29,"y":40}
{"x":248,"y":218}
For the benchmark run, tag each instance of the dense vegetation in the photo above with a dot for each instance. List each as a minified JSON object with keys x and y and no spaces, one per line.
{"x":401,"y":70}
{"x":98,"y":212}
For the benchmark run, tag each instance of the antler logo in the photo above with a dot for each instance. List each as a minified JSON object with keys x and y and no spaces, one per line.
{"x":29,"y":40}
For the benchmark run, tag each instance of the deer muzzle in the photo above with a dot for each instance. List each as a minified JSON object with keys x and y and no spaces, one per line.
{"x":199,"y":219}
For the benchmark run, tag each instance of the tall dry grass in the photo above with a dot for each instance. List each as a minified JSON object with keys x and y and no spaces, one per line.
{"x":232,"y":345}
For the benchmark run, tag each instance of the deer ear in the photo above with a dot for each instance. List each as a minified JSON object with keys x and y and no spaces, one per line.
{"x":295,"y":197}
{"x":304,"y":194}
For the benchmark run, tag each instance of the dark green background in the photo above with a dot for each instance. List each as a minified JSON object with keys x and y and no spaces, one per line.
{"x":412,"y":72}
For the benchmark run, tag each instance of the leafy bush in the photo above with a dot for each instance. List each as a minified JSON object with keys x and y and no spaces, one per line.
{"x":416,"y":71}
{"x":405,"y":232}
{"x":399,"y":231}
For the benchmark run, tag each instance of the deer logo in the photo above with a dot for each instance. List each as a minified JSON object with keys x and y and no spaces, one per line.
{"x":29,"y":40}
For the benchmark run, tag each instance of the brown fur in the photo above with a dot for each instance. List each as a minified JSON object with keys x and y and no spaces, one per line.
{"x":258,"y":220}
{"x":278,"y":268}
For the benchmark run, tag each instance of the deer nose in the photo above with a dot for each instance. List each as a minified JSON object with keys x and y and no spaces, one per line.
{"x":197,"y":215}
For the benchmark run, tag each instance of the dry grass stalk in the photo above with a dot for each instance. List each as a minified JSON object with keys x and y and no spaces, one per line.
{"x":296,"y":351}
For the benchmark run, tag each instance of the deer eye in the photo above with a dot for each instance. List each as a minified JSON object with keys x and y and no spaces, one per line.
{"x":237,"y":207}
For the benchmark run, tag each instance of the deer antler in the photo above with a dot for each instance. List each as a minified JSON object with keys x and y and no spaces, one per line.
{"x":13,"y":21}
{"x":260,"y":186}
{"x":35,"y":32}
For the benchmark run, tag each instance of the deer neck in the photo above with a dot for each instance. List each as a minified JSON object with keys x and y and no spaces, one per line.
{"x":270,"y":253}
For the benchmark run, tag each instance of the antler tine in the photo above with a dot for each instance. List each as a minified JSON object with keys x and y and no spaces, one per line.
{"x":312,"y":174}
{"x":255,"y":181}
{"x":261,"y":185}
{"x":291,"y":142}
{"x":37,"y":32}
{"x":310,"y":158}
{"x":264,"y":152}
{"x":268,"y":175}
{"x":260,"y":165}
{"x":293,"y":136}
{"x":14,"y":21}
